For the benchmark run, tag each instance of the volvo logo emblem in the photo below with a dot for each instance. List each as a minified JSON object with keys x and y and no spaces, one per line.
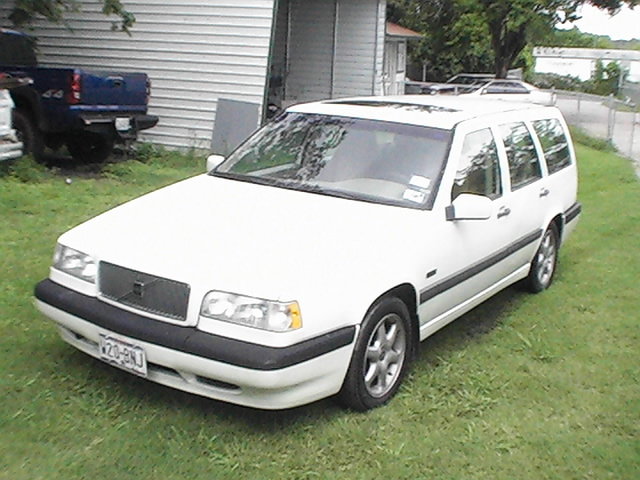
{"x":138,"y":288}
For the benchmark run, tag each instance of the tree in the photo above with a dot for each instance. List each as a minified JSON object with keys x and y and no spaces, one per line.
{"x":467,"y":29}
{"x":25,"y":11}
{"x":576,"y":39}
{"x":513,"y":23}
{"x":454,"y":39}
{"x":608,"y":79}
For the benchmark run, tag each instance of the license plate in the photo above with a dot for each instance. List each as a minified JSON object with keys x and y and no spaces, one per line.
{"x":123,"y":124}
{"x":123,"y":353}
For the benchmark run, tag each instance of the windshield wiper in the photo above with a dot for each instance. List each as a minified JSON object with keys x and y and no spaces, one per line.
{"x":251,"y":178}
{"x":296,"y":185}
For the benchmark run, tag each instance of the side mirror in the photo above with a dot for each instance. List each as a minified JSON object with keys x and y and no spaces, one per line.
{"x":213,"y":161}
{"x":469,"y":206}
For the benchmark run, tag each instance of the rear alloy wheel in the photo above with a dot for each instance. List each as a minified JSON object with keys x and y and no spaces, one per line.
{"x":90,"y":147}
{"x":381,"y":356}
{"x":543,"y":265}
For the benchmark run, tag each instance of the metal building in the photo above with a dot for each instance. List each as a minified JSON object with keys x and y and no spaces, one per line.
{"x":245,"y":52}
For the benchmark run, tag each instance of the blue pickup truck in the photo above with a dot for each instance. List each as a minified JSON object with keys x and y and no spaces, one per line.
{"x":88,"y":112}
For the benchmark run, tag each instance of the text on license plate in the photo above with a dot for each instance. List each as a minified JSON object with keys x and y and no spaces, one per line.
{"x":123,"y":353}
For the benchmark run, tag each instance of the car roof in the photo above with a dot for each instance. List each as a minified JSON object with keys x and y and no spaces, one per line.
{"x":424,"y":110}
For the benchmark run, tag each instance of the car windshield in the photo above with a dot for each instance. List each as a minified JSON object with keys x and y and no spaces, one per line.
{"x":367,"y":160}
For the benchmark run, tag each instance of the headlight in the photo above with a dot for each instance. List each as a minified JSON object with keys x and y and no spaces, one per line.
{"x":74,"y":263}
{"x":252,"y":312}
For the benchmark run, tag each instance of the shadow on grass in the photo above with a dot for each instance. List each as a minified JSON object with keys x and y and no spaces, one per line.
{"x":123,"y":387}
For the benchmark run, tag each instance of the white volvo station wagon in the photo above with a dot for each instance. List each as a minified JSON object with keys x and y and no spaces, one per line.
{"x":314,"y":259}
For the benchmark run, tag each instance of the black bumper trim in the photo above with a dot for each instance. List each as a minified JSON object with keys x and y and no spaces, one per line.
{"x":479,"y":267}
{"x":189,"y":339}
{"x":572,"y":212}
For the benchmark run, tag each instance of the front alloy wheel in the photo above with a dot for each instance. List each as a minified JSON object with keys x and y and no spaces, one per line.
{"x":381,"y":356}
{"x":386,"y":352}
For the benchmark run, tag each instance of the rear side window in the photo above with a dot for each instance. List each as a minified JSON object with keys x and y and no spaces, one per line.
{"x":478,"y":168}
{"x":555,"y":145}
{"x":524,"y":165}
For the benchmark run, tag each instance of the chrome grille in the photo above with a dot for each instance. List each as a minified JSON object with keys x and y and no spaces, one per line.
{"x":145,"y":292}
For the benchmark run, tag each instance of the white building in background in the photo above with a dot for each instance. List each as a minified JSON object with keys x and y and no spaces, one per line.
{"x":581,"y":62}
{"x":206,"y":57}
{"x":395,"y":58}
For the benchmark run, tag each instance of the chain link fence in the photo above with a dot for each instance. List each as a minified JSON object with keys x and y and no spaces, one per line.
{"x":606,"y":118}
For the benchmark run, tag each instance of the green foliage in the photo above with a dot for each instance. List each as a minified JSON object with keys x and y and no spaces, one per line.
{"x":454,"y":38}
{"x":485,"y":35}
{"x":24,"y":170}
{"x":25,"y":11}
{"x":145,"y":152}
{"x":606,"y":81}
{"x":633,"y":44}
{"x":601,"y":145}
{"x":558,"y":82}
{"x":574,"y":38}
{"x":608,"y":78}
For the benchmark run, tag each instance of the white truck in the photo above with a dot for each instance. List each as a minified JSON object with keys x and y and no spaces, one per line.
{"x":10,"y":146}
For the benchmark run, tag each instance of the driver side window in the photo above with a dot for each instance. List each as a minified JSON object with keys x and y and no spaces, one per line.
{"x":478,"y":167}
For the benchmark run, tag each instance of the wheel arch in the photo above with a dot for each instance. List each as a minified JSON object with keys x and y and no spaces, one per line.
{"x":559,"y":222}
{"x":26,"y":100}
{"x":408,"y":295}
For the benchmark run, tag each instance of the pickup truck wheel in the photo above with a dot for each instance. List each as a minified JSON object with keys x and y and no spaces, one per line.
{"x":28,"y":134}
{"x":381,"y":356}
{"x":90,"y":147}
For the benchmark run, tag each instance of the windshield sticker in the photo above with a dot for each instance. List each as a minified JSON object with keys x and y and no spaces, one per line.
{"x":420,"y":182}
{"x":413,"y":196}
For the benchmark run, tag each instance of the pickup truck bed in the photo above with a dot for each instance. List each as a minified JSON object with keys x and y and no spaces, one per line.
{"x":88,"y":112}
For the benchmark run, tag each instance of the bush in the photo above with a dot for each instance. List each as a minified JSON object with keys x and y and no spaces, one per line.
{"x":580,"y":136}
{"x":559,"y":82}
{"x":606,"y":80}
{"x":25,"y":170}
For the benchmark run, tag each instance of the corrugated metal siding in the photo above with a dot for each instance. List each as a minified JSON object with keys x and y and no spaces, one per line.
{"x":335,"y":62}
{"x":280,"y":39}
{"x":379,"y":60}
{"x":355,"y":48}
{"x":310,"y":50}
{"x":194,"y":51}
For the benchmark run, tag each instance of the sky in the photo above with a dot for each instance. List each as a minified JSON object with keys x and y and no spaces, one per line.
{"x":623,"y":26}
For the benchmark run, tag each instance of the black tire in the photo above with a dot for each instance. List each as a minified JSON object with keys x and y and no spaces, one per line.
{"x":381,"y":356}
{"x":90,"y":147}
{"x":545,"y":261}
{"x":28,"y":134}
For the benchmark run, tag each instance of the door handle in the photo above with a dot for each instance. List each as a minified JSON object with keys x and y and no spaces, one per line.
{"x":544,"y":192}
{"x":503,"y":212}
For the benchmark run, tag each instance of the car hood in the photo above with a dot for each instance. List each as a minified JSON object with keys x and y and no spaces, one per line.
{"x":264,"y":241}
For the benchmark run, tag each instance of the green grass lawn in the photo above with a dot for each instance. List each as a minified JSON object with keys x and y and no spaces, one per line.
{"x":524,"y":387}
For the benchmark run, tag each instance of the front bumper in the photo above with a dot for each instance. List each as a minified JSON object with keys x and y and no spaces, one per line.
{"x":209,"y":365}
{"x":10,"y":148}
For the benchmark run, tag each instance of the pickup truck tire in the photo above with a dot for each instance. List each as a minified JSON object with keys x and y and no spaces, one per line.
{"x":90,"y":147}
{"x":28,"y":134}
